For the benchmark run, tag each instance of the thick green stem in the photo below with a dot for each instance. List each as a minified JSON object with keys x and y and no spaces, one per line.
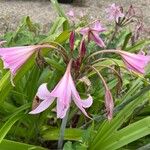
{"x":62,"y":131}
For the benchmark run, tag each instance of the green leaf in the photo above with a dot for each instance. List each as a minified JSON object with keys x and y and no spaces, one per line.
{"x":13,"y":145}
{"x":7,"y":126}
{"x":60,"y":13}
{"x":70,"y":134}
{"x":107,"y":128}
{"x":12,"y":119}
{"x":127,"y":135}
{"x":54,"y":64}
{"x":139,"y":45}
{"x":57,"y":24}
{"x":126,"y":40}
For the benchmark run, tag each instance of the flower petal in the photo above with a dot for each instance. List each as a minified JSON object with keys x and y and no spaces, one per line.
{"x":84,"y":31}
{"x":81,"y":104}
{"x":43,"y":106}
{"x":114,"y":12}
{"x":86,"y":103}
{"x":14,"y":57}
{"x":44,"y":95}
{"x":61,"y":108}
{"x":97,"y":27}
{"x":95,"y":37}
{"x":135,"y":62}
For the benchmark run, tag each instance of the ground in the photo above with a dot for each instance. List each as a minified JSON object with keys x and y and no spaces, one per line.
{"x":41,"y":11}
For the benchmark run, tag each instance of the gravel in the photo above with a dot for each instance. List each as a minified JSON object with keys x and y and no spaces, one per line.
{"x":41,"y":11}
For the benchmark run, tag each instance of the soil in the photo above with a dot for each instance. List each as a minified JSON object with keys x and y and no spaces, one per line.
{"x":41,"y":11}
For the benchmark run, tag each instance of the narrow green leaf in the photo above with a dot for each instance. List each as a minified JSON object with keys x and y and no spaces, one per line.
{"x":54,"y":64}
{"x":12,"y":119}
{"x":7,"y":126}
{"x":57,"y":24}
{"x":70,"y":134}
{"x":13,"y":145}
{"x":127,"y":135}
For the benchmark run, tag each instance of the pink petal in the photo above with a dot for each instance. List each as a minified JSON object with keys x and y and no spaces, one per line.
{"x":71,"y":13}
{"x":81,"y":104}
{"x":87,"y":102}
{"x":84,"y":31}
{"x":62,"y":108}
{"x":15,"y":57}
{"x":61,"y":88}
{"x":97,"y":27}
{"x":114,"y":12}
{"x":95,"y":37}
{"x":135,"y":62}
{"x":63,"y":93}
{"x":44,"y":95}
{"x":43,"y":106}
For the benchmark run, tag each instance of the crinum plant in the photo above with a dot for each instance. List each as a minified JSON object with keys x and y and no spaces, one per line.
{"x":75,"y":78}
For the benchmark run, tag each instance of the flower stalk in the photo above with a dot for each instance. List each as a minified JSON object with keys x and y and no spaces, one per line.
{"x":62,"y":130}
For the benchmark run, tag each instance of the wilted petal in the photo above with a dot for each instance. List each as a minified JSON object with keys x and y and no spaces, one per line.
{"x":109,"y":104}
{"x":2,"y":42}
{"x":135,"y":62}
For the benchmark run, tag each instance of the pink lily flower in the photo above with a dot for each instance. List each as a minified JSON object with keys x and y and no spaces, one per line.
{"x":14,"y":57}
{"x":65,"y":91}
{"x":135,"y":62}
{"x":109,"y":104}
{"x":71,"y":13}
{"x":114,"y":12}
{"x":93,"y":33}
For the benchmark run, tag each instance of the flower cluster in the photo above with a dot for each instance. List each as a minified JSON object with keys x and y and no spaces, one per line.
{"x":65,"y":91}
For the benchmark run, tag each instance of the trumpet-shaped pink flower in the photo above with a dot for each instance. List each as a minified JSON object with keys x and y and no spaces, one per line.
{"x":14,"y":57}
{"x":93,"y":33}
{"x":135,"y":62}
{"x":114,"y":12}
{"x":109,"y":104}
{"x":64,"y":91}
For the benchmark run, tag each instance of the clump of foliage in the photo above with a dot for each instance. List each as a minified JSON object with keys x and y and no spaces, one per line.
{"x":75,"y":61}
